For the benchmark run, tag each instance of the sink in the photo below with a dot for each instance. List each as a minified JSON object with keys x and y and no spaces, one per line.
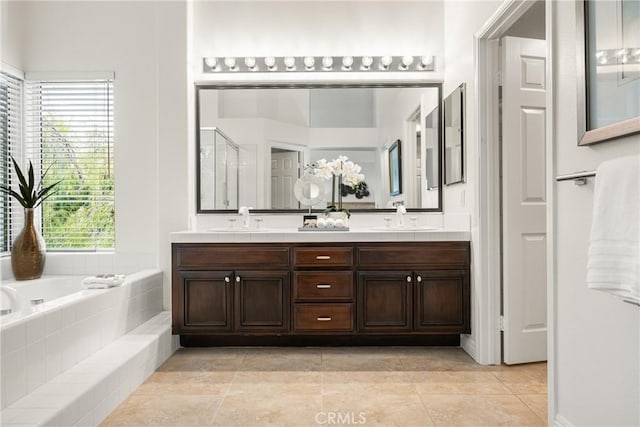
{"x":405,"y":228}
{"x":237,"y":230}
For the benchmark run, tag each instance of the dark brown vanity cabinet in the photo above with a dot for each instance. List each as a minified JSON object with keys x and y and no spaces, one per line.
{"x":239,"y":300}
{"x":349,"y":291}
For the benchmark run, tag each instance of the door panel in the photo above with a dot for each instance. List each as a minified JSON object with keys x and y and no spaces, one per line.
{"x":441,"y":301}
{"x":284,"y":173}
{"x":384,"y":301}
{"x":207,"y":300}
{"x":262,"y":301}
{"x":524,"y":200}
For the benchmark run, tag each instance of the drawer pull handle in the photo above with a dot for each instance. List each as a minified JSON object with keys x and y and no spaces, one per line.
{"x":323,"y":286}
{"x":323,"y":257}
{"x":324,"y":319}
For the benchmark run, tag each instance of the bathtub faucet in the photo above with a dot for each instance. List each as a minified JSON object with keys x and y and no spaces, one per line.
{"x":13,"y":296}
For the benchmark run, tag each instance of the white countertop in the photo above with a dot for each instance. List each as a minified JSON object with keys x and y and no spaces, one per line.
{"x":292,"y":235}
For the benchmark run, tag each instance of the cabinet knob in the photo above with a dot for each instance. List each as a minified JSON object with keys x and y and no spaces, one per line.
{"x":227,"y":279}
{"x":324,"y":319}
{"x":408,"y":279}
{"x":237,"y":279}
{"x":419,"y":279}
{"x":323,"y":286}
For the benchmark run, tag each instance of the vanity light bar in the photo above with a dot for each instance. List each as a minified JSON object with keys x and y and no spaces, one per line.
{"x":317,"y":63}
{"x":618,"y":56}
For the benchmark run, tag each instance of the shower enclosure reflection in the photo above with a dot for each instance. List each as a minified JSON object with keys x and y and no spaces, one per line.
{"x":219,"y":173}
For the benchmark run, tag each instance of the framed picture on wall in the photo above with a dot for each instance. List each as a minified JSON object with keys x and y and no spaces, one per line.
{"x":395,"y":169}
{"x":608,"y":70}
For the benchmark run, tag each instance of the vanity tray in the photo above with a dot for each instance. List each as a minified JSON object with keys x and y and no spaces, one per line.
{"x":323,"y":229}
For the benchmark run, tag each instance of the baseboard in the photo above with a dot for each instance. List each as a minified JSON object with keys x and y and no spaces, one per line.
{"x":561,"y":421}
{"x":468,"y":344}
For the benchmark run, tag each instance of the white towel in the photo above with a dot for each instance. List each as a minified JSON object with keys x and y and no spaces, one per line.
{"x":614,"y":252}
{"x":103,"y":281}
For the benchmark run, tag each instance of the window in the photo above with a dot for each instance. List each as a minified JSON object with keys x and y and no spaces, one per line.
{"x":10,"y":142}
{"x":69,"y":129}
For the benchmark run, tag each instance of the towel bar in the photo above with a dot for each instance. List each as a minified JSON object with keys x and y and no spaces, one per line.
{"x":579,"y":178}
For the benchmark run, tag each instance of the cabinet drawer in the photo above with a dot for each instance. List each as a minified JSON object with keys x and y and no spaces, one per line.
{"x":323,"y":285}
{"x":214,"y":257}
{"x":324,"y":256}
{"x":433,"y":254}
{"x":323,"y":317}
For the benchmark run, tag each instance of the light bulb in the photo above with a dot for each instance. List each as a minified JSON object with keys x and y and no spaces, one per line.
{"x":603,"y":60}
{"x":406,"y":62}
{"x":366,"y":62}
{"x":385,"y":61}
{"x":347,"y":62}
{"x":426,"y":61}
{"x":270,"y":62}
{"x":621,"y":52}
{"x":309,"y":62}
{"x":624,"y":59}
{"x":250,"y":62}
{"x":230,"y":63}
{"x":327,"y":62}
{"x":290,"y":63}
{"x":211,"y":62}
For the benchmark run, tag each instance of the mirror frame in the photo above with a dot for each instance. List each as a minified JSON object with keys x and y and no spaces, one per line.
{"x":462,"y":88}
{"x":306,"y":85}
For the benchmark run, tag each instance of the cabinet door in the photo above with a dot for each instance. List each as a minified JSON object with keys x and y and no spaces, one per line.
{"x":442,"y":301}
{"x":262,"y":301}
{"x":207,"y":300}
{"x":384,"y":301}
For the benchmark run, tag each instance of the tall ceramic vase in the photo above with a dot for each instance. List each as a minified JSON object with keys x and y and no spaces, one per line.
{"x":29,"y":251}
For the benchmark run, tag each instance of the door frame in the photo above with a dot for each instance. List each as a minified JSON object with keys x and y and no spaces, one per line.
{"x":487,"y":234}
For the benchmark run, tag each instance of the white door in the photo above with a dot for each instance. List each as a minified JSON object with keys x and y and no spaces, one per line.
{"x":284,"y":173}
{"x":524,"y":200}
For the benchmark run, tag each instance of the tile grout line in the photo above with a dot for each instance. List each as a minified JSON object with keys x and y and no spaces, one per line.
{"x":544,"y":422}
{"x":226,"y":393}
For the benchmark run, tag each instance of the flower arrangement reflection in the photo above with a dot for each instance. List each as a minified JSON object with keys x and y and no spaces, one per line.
{"x":349,"y":180}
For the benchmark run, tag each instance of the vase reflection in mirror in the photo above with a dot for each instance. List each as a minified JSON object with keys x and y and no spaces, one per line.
{"x":28,"y":251}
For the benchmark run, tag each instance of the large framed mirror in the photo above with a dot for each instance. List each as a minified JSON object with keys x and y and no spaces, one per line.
{"x":254,"y":141}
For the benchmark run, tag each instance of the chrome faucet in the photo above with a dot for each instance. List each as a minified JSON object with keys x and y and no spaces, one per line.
{"x":246,"y":219}
{"x":400,"y":212}
{"x":14,"y":299}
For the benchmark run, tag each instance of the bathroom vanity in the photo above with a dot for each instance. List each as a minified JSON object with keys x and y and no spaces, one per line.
{"x":312,"y":293}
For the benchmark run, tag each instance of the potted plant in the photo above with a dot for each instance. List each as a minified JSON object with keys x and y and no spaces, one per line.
{"x":347,"y":174}
{"x":28,"y":251}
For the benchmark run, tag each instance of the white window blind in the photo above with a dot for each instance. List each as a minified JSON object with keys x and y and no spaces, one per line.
{"x":10,"y":144}
{"x":69,"y":129}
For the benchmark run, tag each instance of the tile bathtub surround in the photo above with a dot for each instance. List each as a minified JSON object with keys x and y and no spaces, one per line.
{"x":88,"y":392}
{"x":45,"y":344}
{"x":402,"y":386}
{"x":87,"y":264}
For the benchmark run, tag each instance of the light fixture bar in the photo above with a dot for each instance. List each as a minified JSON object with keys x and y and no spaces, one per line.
{"x":305,"y":64}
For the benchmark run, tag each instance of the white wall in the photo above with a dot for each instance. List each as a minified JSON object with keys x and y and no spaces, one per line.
{"x":462,"y":19}
{"x":144,"y":43}
{"x":597,"y":344}
{"x":264,"y":28}
{"x":11,"y":35}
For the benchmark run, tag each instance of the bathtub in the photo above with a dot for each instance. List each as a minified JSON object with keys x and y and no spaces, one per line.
{"x":53,"y":290}
{"x":39,"y":342}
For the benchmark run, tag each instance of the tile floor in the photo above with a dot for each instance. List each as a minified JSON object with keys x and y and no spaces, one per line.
{"x":370,"y":386}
